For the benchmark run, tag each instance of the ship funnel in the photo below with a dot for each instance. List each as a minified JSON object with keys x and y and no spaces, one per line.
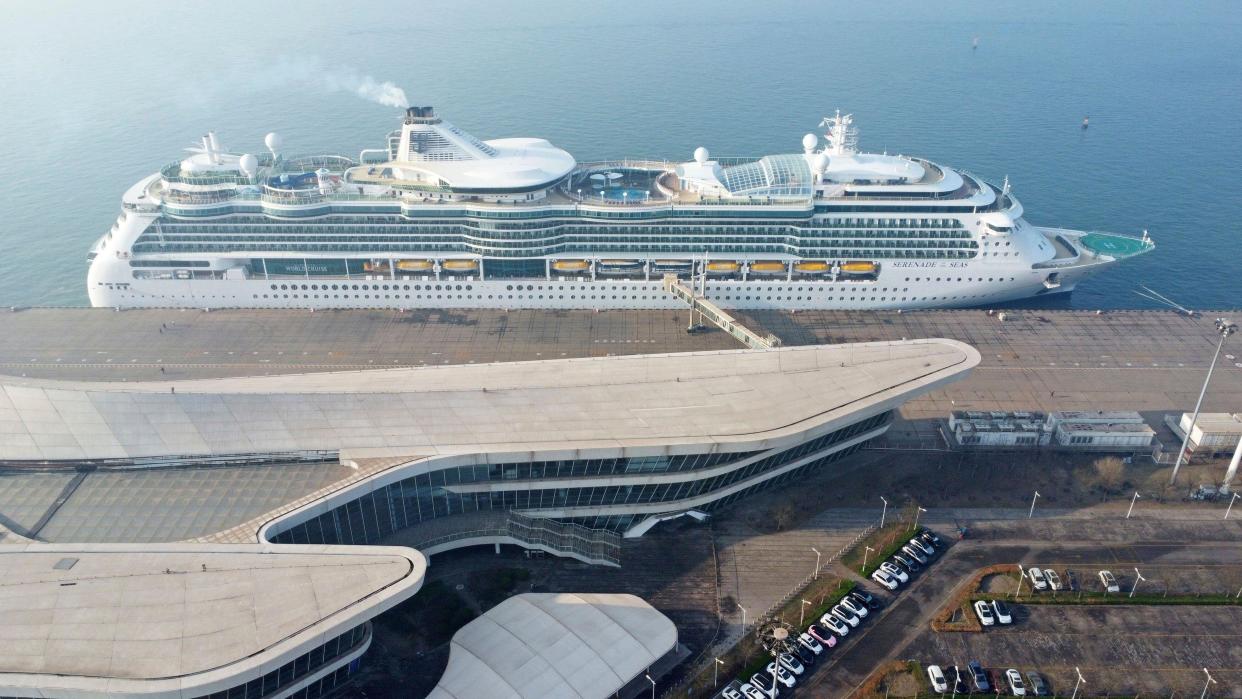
{"x":215,"y":147}
{"x":421,"y":115}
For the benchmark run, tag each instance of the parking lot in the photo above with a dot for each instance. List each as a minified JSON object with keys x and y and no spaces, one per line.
{"x":1122,"y":651}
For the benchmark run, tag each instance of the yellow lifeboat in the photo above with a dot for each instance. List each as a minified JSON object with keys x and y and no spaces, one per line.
{"x":767,"y":267}
{"x":570,"y":265}
{"x":723,"y":267}
{"x":460,"y":265}
{"x":414,"y":265}
{"x":811,"y":267}
{"x":858,"y":268}
{"x":376,"y":266}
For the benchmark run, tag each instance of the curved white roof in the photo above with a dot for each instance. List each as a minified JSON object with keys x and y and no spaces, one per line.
{"x":432,"y":149}
{"x":735,"y":397}
{"x":176,"y":620}
{"x":871,"y":166}
{"x":555,"y":646}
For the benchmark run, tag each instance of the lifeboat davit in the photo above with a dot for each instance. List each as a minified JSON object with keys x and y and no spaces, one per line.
{"x":460,"y":265}
{"x":767,"y":267}
{"x":858,"y":268}
{"x":670,"y":265}
{"x":571,"y":265}
{"x":811,"y":267}
{"x":618,"y":266}
{"x":414,"y":265}
{"x":723,"y":267}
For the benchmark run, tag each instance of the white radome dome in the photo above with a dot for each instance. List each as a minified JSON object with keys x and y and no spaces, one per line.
{"x":248,"y":164}
{"x":273,"y":141}
{"x":700,"y":155}
{"x":809,"y":142}
{"x":821,"y":163}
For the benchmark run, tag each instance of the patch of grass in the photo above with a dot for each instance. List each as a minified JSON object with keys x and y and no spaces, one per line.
{"x":884,"y":542}
{"x":432,"y":616}
{"x":1091,"y":597}
{"x":491,"y":587}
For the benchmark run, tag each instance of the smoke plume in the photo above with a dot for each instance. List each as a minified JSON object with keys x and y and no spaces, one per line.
{"x":314,"y":74}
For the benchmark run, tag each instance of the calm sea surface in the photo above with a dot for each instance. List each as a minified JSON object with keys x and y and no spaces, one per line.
{"x":95,"y":95}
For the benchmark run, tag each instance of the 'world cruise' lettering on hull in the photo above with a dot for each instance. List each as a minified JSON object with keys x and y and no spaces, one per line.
{"x":523,"y":224}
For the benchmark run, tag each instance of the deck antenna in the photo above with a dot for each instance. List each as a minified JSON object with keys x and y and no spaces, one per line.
{"x":841,"y":136}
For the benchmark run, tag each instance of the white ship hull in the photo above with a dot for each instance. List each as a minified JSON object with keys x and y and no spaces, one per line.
{"x":890,"y":291}
{"x":442,"y":220}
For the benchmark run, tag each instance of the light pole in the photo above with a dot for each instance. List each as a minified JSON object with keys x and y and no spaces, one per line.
{"x":652,"y":685}
{"x":866,"y":551}
{"x":1225,"y":328}
{"x":1138,"y":577}
{"x":743,"y":617}
{"x":1205,"y":684}
{"x":1235,"y":497}
{"x":802,"y":614}
{"x":1080,"y":681}
{"x":1032,"y":512}
{"x":1021,"y":577}
{"x":916,"y":517}
{"x":716,"y":671}
{"x":1132,"y":501}
{"x":817,"y":560}
{"x":883,"y":512}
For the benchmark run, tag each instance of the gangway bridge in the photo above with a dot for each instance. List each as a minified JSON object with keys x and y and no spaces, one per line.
{"x":717,"y":315}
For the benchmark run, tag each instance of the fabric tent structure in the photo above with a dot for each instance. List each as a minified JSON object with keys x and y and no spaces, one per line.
{"x":555,"y":646}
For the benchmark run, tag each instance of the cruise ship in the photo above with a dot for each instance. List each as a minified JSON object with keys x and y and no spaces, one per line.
{"x":438,"y":218}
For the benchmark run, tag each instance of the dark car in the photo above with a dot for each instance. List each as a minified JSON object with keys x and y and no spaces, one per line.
{"x":930,"y":537}
{"x":1039,"y":686}
{"x":806,"y":655}
{"x":1071,"y":580}
{"x":910,"y":565}
{"x":957,"y":679}
{"x":978,"y":676}
{"x":866,"y":598}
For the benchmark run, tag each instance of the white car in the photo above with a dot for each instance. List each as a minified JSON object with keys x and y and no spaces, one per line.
{"x":1054,"y":580}
{"x":1015,"y":682}
{"x":790,"y":662}
{"x":888,"y":581}
{"x":731,"y":693}
{"x":1109,"y":582}
{"x":1003,"y":615}
{"x":936,"y":676}
{"x":808,"y":642}
{"x":983,"y":610}
{"x":860,"y":610}
{"x":1038,"y":581}
{"x":766,"y":685}
{"x":838,"y":626}
{"x":923,"y":546}
{"x":753,"y":692}
{"x":783,"y":675}
{"x":914,"y":552}
{"x":845,"y":616}
{"x":894,"y":571}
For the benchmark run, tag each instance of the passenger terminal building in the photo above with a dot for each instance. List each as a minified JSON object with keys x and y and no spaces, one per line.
{"x":565,"y":456}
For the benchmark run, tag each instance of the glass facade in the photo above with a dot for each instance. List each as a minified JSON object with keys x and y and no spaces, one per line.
{"x":770,"y":176}
{"x":305,"y":664}
{"x":534,"y":485}
{"x":883,"y":237}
